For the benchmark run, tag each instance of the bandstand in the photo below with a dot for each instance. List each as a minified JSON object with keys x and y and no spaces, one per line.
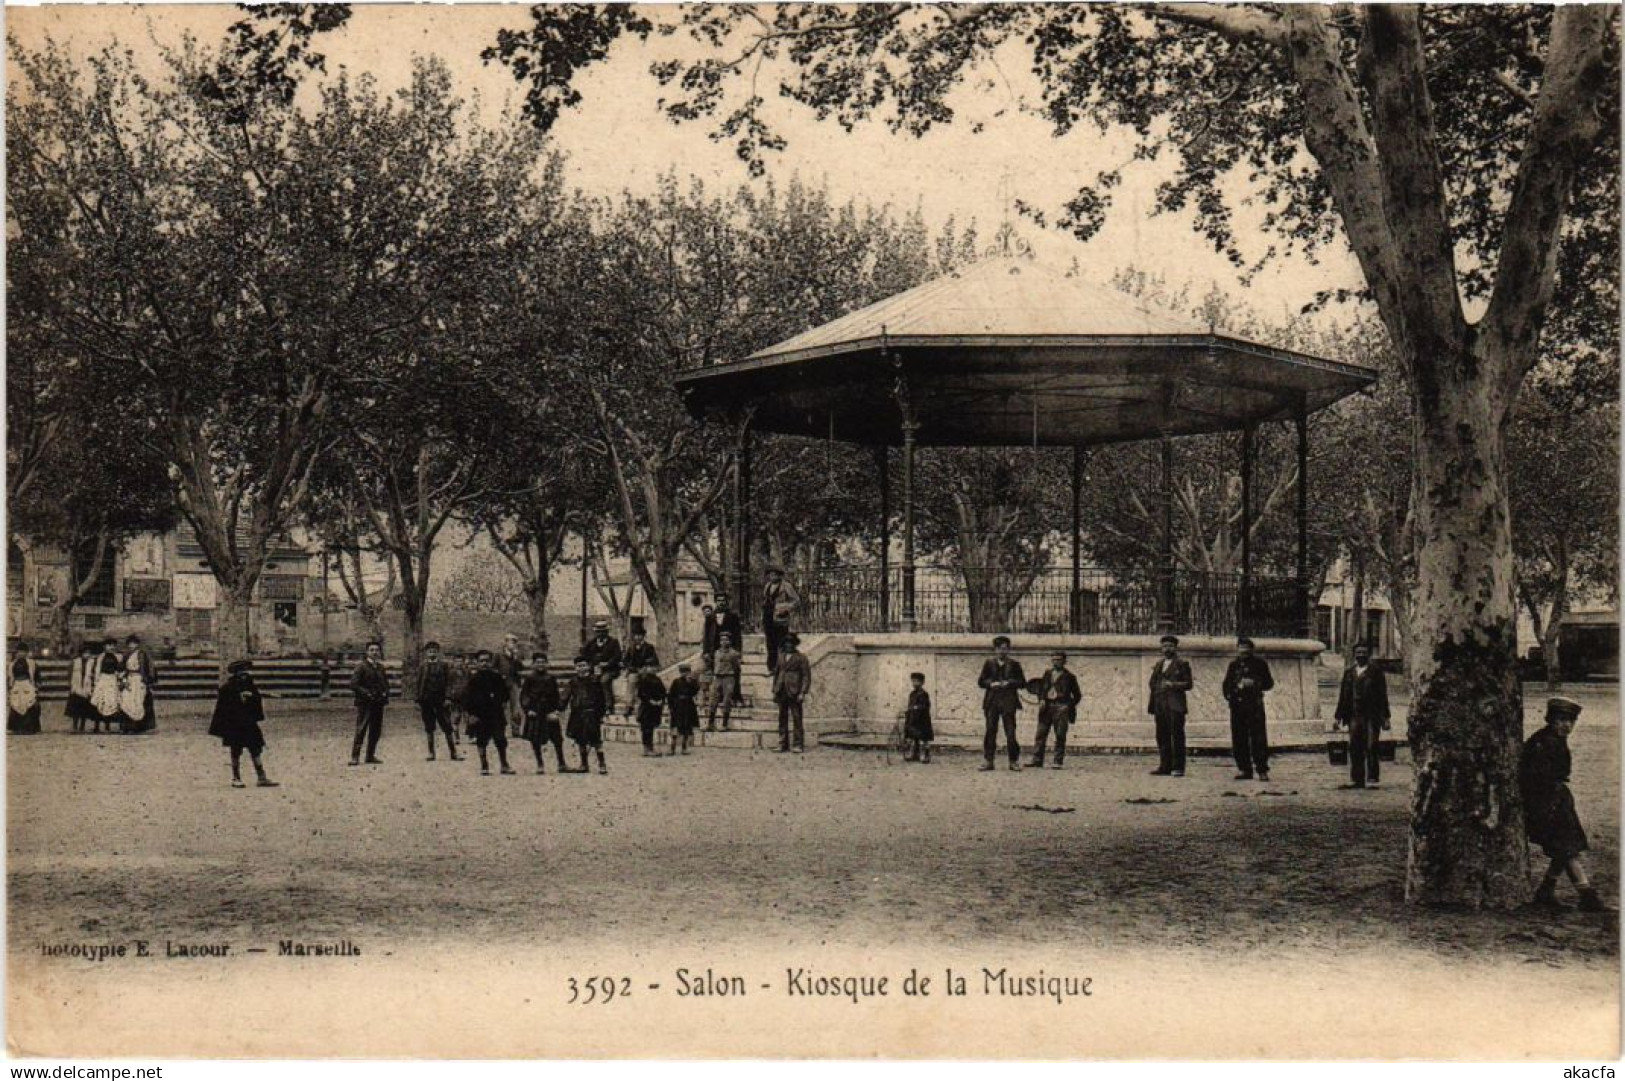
{"x":1011,"y":353}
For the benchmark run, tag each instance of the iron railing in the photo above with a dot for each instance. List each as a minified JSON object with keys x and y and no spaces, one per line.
{"x":854,"y":599}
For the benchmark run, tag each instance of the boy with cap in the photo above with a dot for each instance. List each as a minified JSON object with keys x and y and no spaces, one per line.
{"x":650,"y":695}
{"x":1058,"y":698}
{"x":584,"y":699}
{"x":917,"y":727}
{"x":685,"y":712}
{"x":539,"y":703}
{"x":1548,"y":807}
{"x":1170,"y":679}
{"x":1001,"y":682}
{"x":1245,"y":682}
{"x":487,"y":700}
{"x":430,"y":690}
{"x":726,"y":665}
{"x":238,"y":711}
{"x":1362,"y":707}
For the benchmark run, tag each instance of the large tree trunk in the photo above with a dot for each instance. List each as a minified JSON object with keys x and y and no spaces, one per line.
{"x":1551,"y":636}
{"x":536,"y":603}
{"x":1467,"y":842}
{"x":663,"y":604}
{"x":231,"y":623}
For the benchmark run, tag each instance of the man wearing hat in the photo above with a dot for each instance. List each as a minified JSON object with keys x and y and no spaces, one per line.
{"x":1001,"y":682}
{"x":1549,"y":816}
{"x":779,"y":600}
{"x":1170,"y":679}
{"x":1245,"y":682}
{"x":1362,"y":706}
{"x":792,"y":681}
{"x":640,"y":654}
{"x":1058,"y":697}
{"x":719,"y":621}
{"x":238,"y":711}
{"x":603,"y":655}
{"x":369,"y":683}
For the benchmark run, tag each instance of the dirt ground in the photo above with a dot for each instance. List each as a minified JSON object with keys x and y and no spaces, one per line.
{"x":117,"y":838}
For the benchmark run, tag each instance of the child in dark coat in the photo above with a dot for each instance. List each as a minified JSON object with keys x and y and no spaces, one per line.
{"x":238,"y":711}
{"x":585,"y":700}
{"x":651,"y":702}
{"x":539,"y":702}
{"x":682,"y":698}
{"x":917,"y":728}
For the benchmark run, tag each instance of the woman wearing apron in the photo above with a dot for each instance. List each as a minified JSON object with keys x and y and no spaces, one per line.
{"x":22,"y":693}
{"x":104,"y":694}
{"x":135,"y":698}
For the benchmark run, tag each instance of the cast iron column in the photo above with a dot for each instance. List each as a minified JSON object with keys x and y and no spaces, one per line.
{"x":910,"y":427}
{"x":1076,"y":621}
{"x":883,"y":464}
{"x":741,"y":560}
{"x":1165,"y":563}
{"x":1244,"y":610}
{"x":1305,"y":620}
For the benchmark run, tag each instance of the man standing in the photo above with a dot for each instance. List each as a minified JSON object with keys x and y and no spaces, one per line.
{"x":1170,"y":679}
{"x":725,"y":668}
{"x":1362,"y":706}
{"x":511,"y":667}
{"x":430,"y":693}
{"x":792,"y":681}
{"x":487,"y":700}
{"x":1548,"y":807}
{"x":779,"y":600}
{"x":1001,"y":682}
{"x":603,"y":656}
{"x":1058,"y":698}
{"x":720,"y":622}
{"x":1245,"y":682}
{"x":370,"y":685}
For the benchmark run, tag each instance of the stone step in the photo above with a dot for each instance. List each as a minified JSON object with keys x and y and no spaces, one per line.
{"x":1206,"y":738}
{"x":757,"y":737}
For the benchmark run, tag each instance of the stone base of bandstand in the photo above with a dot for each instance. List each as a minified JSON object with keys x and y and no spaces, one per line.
{"x":860,"y":686}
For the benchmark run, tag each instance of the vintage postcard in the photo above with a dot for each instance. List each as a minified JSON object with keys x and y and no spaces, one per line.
{"x":976,"y":531}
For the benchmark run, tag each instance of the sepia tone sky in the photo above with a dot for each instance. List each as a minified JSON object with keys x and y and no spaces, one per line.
{"x":617,"y":139}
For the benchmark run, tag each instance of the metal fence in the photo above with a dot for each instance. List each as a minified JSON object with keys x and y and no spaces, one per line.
{"x":987,"y":600}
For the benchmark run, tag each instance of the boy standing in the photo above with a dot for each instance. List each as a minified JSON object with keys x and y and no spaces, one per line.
{"x":725,"y":668}
{"x":487,"y":700}
{"x":1058,"y":698}
{"x":539,"y":702}
{"x":685,"y":712}
{"x":430,"y":691}
{"x":917,"y":729}
{"x":586,"y":703}
{"x":650,"y":693}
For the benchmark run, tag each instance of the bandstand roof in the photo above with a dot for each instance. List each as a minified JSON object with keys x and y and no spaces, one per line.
{"x":1009,"y":352}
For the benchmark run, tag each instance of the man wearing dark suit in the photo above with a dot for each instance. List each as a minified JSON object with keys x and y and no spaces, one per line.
{"x":1058,"y":698}
{"x":1001,"y":682}
{"x":779,"y":601}
{"x":1245,"y":682}
{"x":792,"y":682}
{"x":1362,"y":705}
{"x":718,"y":622}
{"x":432,"y":687}
{"x":370,"y":685}
{"x":603,"y":655}
{"x":1170,"y":679}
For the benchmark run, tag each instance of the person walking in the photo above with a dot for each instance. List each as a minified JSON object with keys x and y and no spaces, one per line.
{"x":779,"y":601}
{"x":430,"y":691}
{"x":683,"y":708}
{"x":1245,"y":682}
{"x":539,"y":701}
{"x":1170,"y":679}
{"x":792,"y":682}
{"x":487,"y":700}
{"x":1058,"y":697}
{"x":1549,"y":815}
{"x":726,"y":664}
{"x":239,"y":710}
{"x":1001,"y":682}
{"x":369,"y":684}
{"x":1362,"y":708}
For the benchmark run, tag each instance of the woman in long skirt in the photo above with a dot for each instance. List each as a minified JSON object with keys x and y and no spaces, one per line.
{"x":81,"y":682}
{"x":22,"y":693}
{"x":104,"y":694}
{"x":135,"y":699}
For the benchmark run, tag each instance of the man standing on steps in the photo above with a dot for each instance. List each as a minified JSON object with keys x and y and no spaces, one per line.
{"x":791,"y":683}
{"x":1245,"y":682}
{"x":779,"y":601}
{"x":725,"y":670}
{"x":370,"y":685}
{"x":1362,"y":705}
{"x":603,"y":656}
{"x":1001,"y":682}
{"x":1170,"y":679}
{"x":720,"y":622}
